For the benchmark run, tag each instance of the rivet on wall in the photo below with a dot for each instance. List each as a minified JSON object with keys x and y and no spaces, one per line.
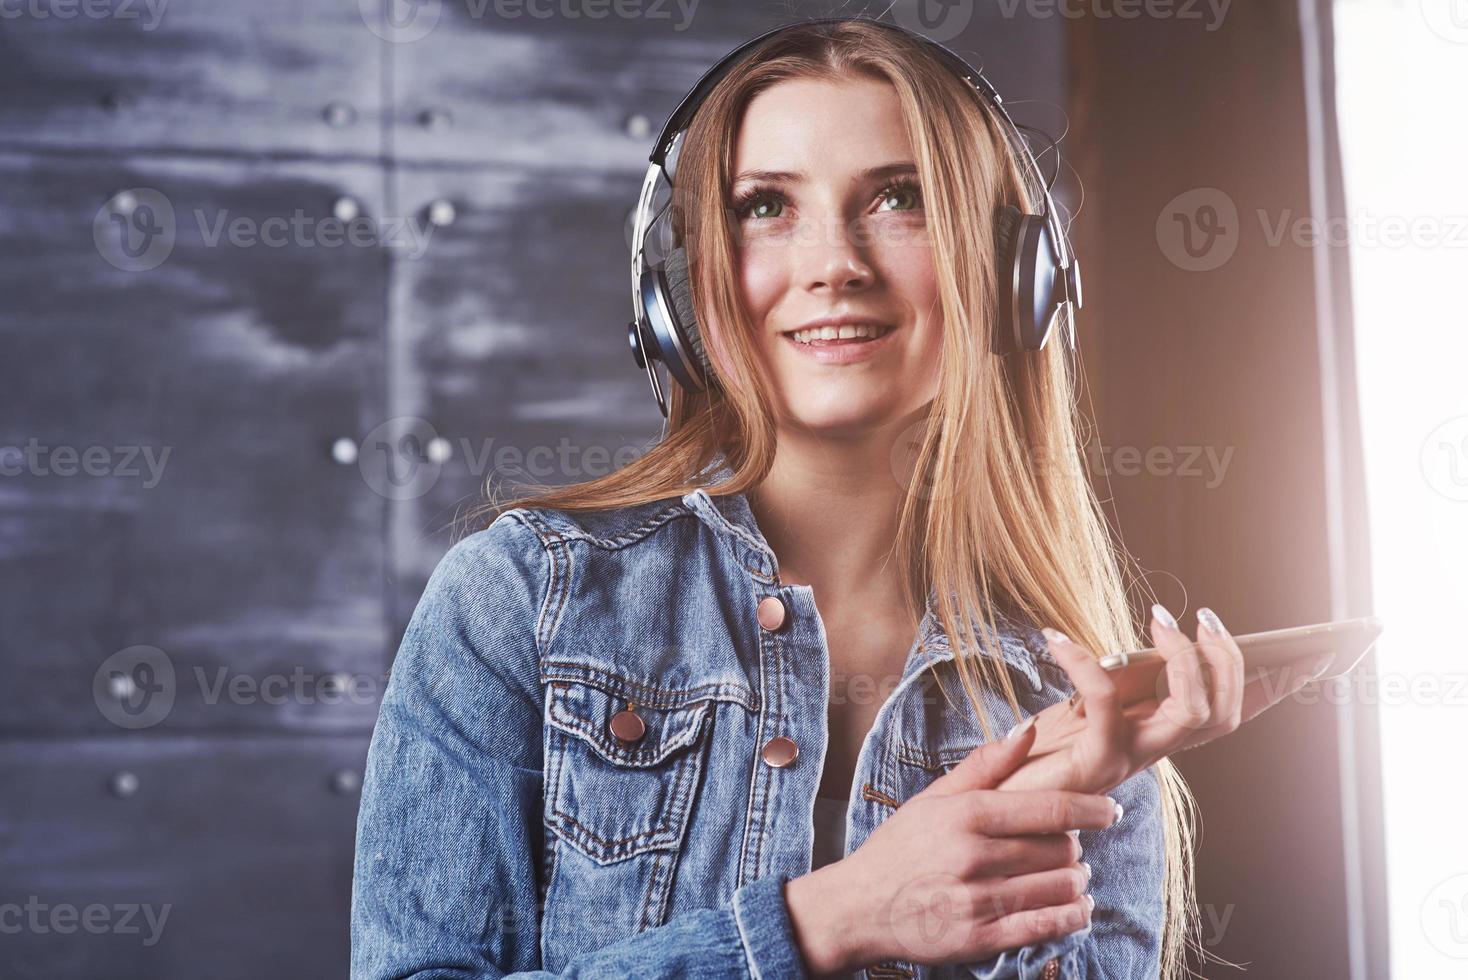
{"x":442,"y":213}
{"x":344,"y":451}
{"x":638,"y":126}
{"x":339,"y":114}
{"x":435,"y":118}
{"x":346,"y":208}
{"x":439,"y":450}
{"x":123,"y":783}
{"x":346,"y":781}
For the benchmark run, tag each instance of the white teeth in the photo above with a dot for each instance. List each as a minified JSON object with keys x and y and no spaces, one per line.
{"x":839,"y":333}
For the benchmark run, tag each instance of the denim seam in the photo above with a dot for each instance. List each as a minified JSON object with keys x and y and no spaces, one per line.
{"x":744,"y":939}
{"x":649,"y":695}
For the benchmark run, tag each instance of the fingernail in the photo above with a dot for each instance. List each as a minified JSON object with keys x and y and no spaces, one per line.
{"x":1020,"y":727}
{"x":1054,"y":635}
{"x":1163,"y":616}
{"x":1119,"y":811}
{"x":1086,"y":866}
{"x":1090,"y":902}
{"x":1209,"y":620}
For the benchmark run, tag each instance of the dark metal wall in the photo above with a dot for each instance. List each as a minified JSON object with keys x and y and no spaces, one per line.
{"x":283,"y":283}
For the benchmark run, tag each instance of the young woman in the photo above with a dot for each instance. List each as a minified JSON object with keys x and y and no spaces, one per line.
{"x":732,"y":710}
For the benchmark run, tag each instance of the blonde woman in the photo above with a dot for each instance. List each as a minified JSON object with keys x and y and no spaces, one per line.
{"x":735,"y":709}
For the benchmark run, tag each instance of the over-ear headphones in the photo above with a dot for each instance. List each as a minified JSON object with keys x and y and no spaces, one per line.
{"x":1039,"y":277}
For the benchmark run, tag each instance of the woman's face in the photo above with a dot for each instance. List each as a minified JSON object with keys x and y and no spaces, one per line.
{"x":830,"y":229}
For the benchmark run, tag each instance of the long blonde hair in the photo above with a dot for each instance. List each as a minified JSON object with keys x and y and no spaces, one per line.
{"x":1001,"y":511}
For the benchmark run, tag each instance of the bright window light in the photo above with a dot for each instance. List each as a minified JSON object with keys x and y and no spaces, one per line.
{"x":1402,"y":73}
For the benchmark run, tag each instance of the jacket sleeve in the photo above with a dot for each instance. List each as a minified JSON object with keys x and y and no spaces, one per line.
{"x":449,"y":838}
{"x":1128,"y":864}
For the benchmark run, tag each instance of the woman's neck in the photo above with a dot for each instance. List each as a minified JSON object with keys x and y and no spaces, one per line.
{"x":830,"y":513}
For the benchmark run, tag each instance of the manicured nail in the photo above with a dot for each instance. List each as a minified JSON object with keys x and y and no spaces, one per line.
{"x":1163,"y":616}
{"x":1054,"y":635}
{"x":1119,"y":811}
{"x":1086,"y":866}
{"x":1090,"y":903}
{"x":1020,"y":727}
{"x":1209,"y":620}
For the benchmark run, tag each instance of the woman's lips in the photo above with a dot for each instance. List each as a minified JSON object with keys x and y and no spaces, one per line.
{"x":847,"y":351}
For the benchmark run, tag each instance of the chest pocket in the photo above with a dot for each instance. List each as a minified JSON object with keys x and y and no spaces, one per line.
{"x":612,"y":797}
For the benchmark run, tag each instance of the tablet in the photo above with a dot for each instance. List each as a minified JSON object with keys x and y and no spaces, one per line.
{"x":1140,"y":674}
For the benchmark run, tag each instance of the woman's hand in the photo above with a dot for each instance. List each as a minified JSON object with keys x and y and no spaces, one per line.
{"x":1092,"y":743}
{"x":959,"y":873}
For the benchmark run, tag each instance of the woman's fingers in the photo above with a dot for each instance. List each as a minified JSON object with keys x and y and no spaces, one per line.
{"x":1026,"y":928}
{"x":1186,"y":710}
{"x":1010,"y":856}
{"x":1010,"y":813}
{"x":1043,"y":889}
{"x":1224,"y":664}
{"x":1095,"y":686}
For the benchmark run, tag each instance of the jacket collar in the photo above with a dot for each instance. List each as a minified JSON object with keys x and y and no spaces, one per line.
{"x":729,"y":515}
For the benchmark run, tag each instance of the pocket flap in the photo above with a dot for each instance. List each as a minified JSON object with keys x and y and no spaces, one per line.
{"x":586,"y":711}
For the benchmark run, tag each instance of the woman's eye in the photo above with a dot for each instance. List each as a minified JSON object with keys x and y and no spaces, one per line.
{"x":900,"y":198}
{"x":766,"y":208}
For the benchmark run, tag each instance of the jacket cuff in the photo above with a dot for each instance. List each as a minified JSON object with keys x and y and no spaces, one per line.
{"x":1056,"y":959}
{"x":763,"y":921}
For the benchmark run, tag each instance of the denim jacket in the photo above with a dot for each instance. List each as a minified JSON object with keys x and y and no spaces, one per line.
{"x":509,"y":827}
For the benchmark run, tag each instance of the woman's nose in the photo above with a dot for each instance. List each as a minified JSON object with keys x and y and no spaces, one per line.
{"x":831,"y":260}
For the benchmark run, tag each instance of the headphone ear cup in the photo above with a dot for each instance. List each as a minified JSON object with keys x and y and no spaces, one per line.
{"x":1029,"y":274}
{"x":680,"y":292}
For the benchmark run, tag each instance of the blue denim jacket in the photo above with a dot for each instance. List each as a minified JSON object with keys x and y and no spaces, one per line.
{"x":505,"y":830}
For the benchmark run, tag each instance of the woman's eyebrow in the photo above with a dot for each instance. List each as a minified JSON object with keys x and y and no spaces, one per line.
{"x":884,"y":171}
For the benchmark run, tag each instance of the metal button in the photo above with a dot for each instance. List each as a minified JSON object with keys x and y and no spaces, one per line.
{"x":771,"y":613}
{"x":780,"y":751}
{"x":627,"y":725}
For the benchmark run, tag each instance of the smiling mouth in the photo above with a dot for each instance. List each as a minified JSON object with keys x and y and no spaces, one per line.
{"x":850,"y":334}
